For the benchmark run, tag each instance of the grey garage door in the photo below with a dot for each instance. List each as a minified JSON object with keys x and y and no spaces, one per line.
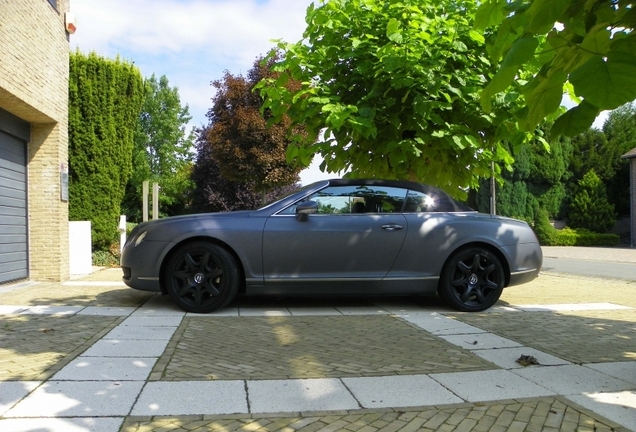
{"x":13,"y":201}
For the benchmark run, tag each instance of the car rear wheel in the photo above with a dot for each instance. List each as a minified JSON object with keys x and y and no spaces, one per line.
{"x":472,"y":280}
{"x":201,"y":277}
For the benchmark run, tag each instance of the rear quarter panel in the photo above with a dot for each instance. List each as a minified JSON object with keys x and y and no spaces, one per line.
{"x":433,"y":237}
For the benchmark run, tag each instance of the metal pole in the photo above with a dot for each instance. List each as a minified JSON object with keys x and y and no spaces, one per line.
{"x":493,"y":191}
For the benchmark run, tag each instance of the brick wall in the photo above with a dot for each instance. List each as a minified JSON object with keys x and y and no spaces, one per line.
{"x":34,"y":86}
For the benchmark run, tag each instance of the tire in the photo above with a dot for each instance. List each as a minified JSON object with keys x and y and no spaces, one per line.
{"x":201,"y":277}
{"x":472,"y":280}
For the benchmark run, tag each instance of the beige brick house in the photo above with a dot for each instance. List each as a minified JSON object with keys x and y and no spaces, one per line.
{"x":34,"y":53}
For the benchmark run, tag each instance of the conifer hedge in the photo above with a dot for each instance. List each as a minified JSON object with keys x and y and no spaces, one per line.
{"x":105,"y":99}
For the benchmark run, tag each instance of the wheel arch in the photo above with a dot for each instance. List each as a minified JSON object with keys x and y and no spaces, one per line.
{"x":212,"y":240}
{"x":491,"y":248}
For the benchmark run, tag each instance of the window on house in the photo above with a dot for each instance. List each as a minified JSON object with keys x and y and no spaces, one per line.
{"x":53,"y":3}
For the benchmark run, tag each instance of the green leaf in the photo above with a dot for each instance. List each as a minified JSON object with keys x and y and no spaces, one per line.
{"x":522,"y":51}
{"x":490,"y":13}
{"x":458,"y":142}
{"x":597,"y":41}
{"x":544,"y":14}
{"x":476,"y":36}
{"x":393,"y":31}
{"x":544,"y":97}
{"x":605,"y":84}
{"x":575,"y":120}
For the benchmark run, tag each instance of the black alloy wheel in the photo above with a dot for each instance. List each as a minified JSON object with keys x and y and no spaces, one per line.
{"x":201,"y":277}
{"x":472,"y":280}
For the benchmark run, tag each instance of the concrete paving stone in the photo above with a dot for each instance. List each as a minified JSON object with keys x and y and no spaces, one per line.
{"x":620,"y":407}
{"x":490,"y":385}
{"x":85,"y":424}
{"x":263,"y":312}
{"x":127,"y":348}
{"x":572,"y":379}
{"x":106,"y":369}
{"x":11,"y":310}
{"x":571,"y":307}
{"x":150,"y":321}
{"x":12,"y":391}
{"x":507,"y":357}
{"x":313,"y":311}
{"x":225,"y":312}
{"x":95,"y":283}
{"x":299,"y":395}
{"x":441,"y":325}
{"x":194,"y":397}
{"x":141,"y":333}
{"x":78,"y":399}
{"x":480,"y":341}
{"x":159,"y":305}
{"x":106,"y":311}
{"x":362,"y":310}
{"x":51,"y":310}
{"x":399,"y":391}
{"x":625,"y":371}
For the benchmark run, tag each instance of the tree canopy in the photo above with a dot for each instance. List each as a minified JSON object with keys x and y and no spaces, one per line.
{"x":586,"y":47}
{"x":162,"y":150}
{"x":394,"y":90}
{"x":245,"y":148}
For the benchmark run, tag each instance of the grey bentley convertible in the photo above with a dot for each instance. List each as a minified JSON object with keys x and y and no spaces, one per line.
{"x":335,"y":237}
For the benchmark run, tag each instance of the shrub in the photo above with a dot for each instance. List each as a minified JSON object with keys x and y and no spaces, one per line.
{"x":590,"y":208}
{"x":543,"y":229}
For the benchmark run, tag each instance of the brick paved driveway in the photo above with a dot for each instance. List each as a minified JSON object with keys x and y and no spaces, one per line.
{"x":33,"y":347}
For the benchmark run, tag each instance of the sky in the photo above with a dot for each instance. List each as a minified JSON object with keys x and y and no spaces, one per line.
{"x":192,"y":42}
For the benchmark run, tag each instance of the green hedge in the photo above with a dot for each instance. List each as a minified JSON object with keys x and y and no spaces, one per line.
{"x":549,"y":236}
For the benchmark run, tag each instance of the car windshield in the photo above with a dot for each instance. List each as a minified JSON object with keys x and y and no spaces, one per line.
{"x":274,"y":201}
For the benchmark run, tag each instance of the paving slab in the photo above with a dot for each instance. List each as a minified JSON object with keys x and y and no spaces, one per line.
{"x":12,"y":391}
{"x":106,"y":369}
{"x":399,"y":391}
{"x":573,"y":379}
{"x":570,"y":307}
{"x":127,"y":348}
{"x":299,"y":395}
{"x":106,"y":311}
{"x":225,"y":312}
{"x":362,"y":310}
{"x":625,"y":371}
{"x":480,"y":341}
{"x":159,"y":305}
{"x":141,"y":333}
{"x":78,"y":399}
{"x":98,"y":424}
{"x":51,"y":310}
{"x":619,"y":407}
{"x":193,"y":397}
{"x":313,"y":311}
{"x":441,"y":325}
{"x":11,"y":310}
{"x":263,"y":312}
{"x":152,"y":321}
{"x":507,"y":357}
{"x":490,"y":385}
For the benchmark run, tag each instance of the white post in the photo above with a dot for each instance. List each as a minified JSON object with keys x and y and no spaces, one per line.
{"x":144,"y":199}
{"x":122,"y":232}
{"x":155,"y":200}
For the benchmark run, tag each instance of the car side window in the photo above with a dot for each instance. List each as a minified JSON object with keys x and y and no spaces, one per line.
{"x":357,"y":199}
{"x":417,"y":202}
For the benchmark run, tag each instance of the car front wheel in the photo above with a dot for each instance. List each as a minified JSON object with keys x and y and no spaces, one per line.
{"x":201,"y":277}
{"x":472,"y":280}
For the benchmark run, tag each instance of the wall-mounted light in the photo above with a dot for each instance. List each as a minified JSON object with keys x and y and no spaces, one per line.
{"x":69,"y":21}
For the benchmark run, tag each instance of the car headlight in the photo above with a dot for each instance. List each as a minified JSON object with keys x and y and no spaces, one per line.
{"x":140,"y":238}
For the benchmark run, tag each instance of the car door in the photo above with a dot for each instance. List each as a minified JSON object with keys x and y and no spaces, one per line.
{"x":355,"y":235}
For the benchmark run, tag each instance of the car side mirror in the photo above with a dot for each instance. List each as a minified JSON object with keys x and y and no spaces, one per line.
{"x":303,"y":210}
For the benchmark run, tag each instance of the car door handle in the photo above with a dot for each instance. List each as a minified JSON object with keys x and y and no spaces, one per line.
{"x":392,"y":227}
